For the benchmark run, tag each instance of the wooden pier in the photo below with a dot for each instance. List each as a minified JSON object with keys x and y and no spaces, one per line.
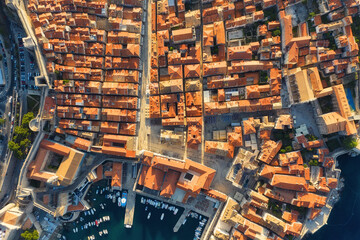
{"x":181,"y":220}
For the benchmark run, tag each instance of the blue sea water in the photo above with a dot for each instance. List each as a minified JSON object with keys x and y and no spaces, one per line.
{"x":142,"y":229}
{"x":350,"y":98}
{"x":344,"y":220}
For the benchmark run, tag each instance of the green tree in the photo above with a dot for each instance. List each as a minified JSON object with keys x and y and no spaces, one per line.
{"x":30,"y":235}
{"x":26,"y":119}
{"x":13,"y":146}
{"x":25,"y":143}
{"x":312,"y":14}
{"x":2,"y":121}
{"x":277,"y":32}
{"x":21,"y":133}
{"x":350,"y":143}
{"x":288,"y":148}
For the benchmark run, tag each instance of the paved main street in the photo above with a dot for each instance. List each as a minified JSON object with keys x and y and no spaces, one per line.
{"x":19,"y":63}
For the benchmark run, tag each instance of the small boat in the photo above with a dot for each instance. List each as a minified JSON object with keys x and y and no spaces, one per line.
{"x":96,"y":223}
{"x":146,"y":208}
{"x":82,"y":228}
{"x":123,"y":199}
{"x":92,"y":212}
{"x":184,"y":221}
{"x":162,"y":216}
{"x":101,"y":233}
{"x":73,"y":230}
{"x":149,"y":215}
{"x":97,"y":191}
{"x":77,"y":229}
{"x":142,"y":200}
{"x":94,"y":209}
{"x":119,"y":201}
{"x":176,"y":211}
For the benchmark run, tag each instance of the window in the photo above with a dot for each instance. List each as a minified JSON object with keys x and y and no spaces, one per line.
{"x":188,"y":176}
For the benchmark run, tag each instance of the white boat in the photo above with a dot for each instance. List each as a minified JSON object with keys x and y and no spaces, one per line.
{"x":92,"y":212}
{"x":94,"y":209}
{"x":176,"y":211}
{"x":146,"y":208}
{"x":184,"y":221}
{"x":73,"y":230}
{"x":149,"y":215}
{"x":97,"y":191}
{"x":142,"y":200}
{"x":162,"y":216}
{"x":77,"y":229}
{"x":101,"y":233}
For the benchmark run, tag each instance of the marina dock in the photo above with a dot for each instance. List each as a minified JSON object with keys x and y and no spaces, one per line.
{"x":130,"y":209}
{"x":181,"y":220}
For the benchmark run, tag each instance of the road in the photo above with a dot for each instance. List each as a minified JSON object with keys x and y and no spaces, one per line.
{"x":11,"y":165}
{"x":145,"y":55}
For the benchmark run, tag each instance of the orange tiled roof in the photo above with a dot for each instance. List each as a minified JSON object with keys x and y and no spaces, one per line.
{"x":169,"y":184}
{"x":289,"y":182}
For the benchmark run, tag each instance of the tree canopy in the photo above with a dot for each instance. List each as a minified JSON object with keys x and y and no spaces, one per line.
{"x":30,"y":235}
{"x":27,"y":118}
{"x":350,"y":143}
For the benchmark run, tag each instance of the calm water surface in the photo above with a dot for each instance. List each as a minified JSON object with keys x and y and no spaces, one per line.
{"x":142,"y":229}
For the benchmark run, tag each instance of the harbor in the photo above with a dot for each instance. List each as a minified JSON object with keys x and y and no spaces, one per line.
{"x":111,"y":218}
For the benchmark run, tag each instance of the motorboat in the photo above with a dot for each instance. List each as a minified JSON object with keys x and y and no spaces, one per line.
{"x":176,"y":211}
{"x":149,"y":215}
{"x":123,"y":199}
{"x":162,"y":216}
{"x":146,"y":208}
